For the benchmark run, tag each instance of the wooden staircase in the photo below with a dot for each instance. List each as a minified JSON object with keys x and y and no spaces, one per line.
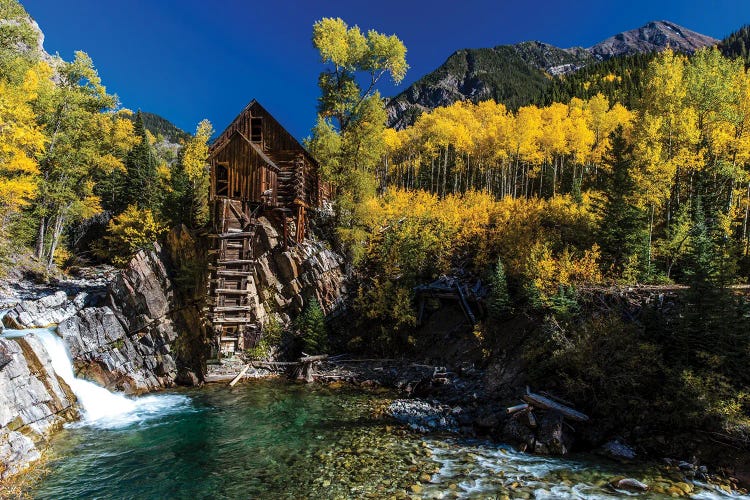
{"x":231,"y":304}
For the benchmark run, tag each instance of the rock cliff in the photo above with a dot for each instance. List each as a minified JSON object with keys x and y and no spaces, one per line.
{"x":34,"y":402}
{"x":286,"y":278}
{"x":126,"y":343}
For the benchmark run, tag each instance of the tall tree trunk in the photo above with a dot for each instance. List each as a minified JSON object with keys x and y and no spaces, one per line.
{"x":744,"y":222}
{"x":40,"y":234}
{"x":445,"y":172}
{"x":432,"y":173}
{"x":650,"y":234}
{"x":56,"y":234}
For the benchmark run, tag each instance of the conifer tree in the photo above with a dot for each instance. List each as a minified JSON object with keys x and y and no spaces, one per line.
{"x":500,"y":300}
{"x":311,"y":326}
{"x":710,"y":320}
{"x":141,"y":177}
{"x":621,"y":231}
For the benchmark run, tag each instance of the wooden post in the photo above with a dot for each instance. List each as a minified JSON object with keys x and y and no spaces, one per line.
{"x":239,"y":376}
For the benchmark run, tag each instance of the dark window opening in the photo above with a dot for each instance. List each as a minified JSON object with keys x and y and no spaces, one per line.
{"x":222,"y":180}
{"x":256,"y":129}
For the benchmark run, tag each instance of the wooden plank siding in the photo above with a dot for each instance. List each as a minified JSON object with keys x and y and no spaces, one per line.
{"x":249,"y":173}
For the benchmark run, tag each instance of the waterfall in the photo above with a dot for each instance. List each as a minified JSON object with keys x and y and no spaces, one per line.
{"x":100,"y":407}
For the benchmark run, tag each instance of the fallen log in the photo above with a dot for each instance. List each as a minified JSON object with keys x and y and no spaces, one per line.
{"x":311,"y":359}
{"x":517,"y":408}
{"x":239,"y":376}
{"x":539,"y":401}
{"x":256,"y":364}
{"x":556,"y":398}
{"x":305,"y":369}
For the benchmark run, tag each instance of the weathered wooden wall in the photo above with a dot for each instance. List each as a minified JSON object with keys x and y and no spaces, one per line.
{"x":249,"y":173}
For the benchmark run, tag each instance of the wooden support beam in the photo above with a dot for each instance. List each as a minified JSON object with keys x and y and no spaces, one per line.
{"x":232,"y":308}
{"x":233,"y":321}
{"x":225,"y":272}
{"x":238,"y":235}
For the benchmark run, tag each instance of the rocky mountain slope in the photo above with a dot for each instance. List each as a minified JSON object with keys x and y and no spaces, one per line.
{"x":519,"y":74}
{"x":652,"y":37}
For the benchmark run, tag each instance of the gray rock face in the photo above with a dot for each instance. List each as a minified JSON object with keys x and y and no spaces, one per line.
{"x":652,"y":37}
{"x":34,"y":402}
{"x":288,"y":278}
{"x":45,"y":311}
{"x":126,"y":345}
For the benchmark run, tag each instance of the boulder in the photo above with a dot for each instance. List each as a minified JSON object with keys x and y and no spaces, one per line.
{"x":552,"y":437}
{"x":517,"y":432}
{"x":423,"y":416}
{"x":617,"y":450}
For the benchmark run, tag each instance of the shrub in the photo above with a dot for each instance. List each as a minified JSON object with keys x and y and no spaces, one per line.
{"x":271,"y":338}
{"x":132,"y":230}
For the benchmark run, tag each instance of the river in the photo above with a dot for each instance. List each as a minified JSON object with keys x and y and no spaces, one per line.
{"x":274,"y":439}
{"x":271,"y":439}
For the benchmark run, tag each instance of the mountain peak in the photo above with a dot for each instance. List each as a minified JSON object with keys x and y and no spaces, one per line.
{"x":653,"y":36}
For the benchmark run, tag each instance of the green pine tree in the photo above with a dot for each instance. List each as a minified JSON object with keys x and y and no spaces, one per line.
{"x":500,"y":304}
{"x":312,"y":328}
{"x":709,"y":320}
{"x":141,"y":178}
{"x":622,"y":231}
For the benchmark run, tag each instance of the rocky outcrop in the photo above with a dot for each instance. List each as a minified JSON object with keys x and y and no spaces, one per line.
{"x":127,"y":343}
{"x":287,"y":278}
{"x":34,"y":402}
{"x":48,"y":310}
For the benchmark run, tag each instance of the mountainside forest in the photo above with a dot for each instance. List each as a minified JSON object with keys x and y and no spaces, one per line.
{"x":539,"y":73}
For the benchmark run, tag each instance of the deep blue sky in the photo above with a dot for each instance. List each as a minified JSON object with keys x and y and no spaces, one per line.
{"x":193,"y":59}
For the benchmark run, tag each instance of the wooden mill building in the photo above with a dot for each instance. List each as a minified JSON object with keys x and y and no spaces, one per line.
{"x":257,"y":168}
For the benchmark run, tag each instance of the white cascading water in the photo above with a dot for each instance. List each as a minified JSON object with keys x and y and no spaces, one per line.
{"x":100,"y":407}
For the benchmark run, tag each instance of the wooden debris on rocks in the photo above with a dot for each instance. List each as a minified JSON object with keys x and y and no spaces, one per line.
{"x":539,"y":401}
{"x":239,"y":376}
{"x":454,"y":289}
{"x":305,"y":369}
{"x":547,"y":402}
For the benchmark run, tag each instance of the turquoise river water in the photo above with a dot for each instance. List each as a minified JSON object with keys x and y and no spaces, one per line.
{"x":272,"y":439}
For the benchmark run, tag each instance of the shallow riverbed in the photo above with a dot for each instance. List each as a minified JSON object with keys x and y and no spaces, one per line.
{"x":270,"y":439}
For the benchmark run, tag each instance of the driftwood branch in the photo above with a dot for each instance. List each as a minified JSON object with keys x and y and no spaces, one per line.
{"x":239,"y":376}
{"x":311,"y":359}
{"x":539,"y":401}
{"x":517,"y":408}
